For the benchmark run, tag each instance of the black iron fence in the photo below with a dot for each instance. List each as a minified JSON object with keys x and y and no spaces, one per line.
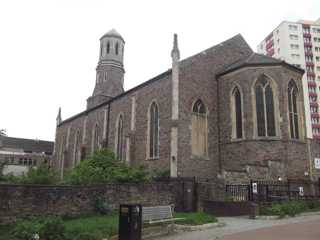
{"x":268,"y":191}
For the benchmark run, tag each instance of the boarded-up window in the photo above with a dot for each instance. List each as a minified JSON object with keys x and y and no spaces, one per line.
{"x":199,"y":139}
{"x":293,"y":110}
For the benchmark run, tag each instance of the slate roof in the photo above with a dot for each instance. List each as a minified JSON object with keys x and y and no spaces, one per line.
{"x":256,"y":59}
{"x":37,"y":146}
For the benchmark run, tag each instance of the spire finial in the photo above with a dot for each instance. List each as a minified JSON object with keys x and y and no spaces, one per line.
{"x":175,"y":53}
{"x":59,"y":118}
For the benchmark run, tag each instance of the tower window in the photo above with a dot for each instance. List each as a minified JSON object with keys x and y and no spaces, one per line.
{"x":108,"y":47}
{"x":117,"y":48}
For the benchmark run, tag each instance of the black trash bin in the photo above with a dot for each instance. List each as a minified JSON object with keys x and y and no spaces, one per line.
{"x":130,"y":222}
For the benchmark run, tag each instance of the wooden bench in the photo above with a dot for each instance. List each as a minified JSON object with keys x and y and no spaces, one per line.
{"x":158,"y":214}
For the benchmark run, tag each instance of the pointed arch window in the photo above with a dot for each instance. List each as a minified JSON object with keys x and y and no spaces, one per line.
{"x":153,"y":135}
{"x":236,"y":111}
{"x":265,"y":108}
{"x":77,"y":151}
{"x":108,"y":47}
{"x":119,"y":138}
{"x":95,"y":138}
{"x":199,"y":139}
{"x":117,"y":48}
{"x":293,"y":110}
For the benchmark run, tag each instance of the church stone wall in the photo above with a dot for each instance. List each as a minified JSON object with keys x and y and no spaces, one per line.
{"x":198,"y":81}
{"x":239,"y":153}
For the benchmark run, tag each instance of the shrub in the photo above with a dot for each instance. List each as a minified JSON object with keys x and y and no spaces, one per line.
{"x":88,"y":236}
{"x":103,"y":167}
{"x":26,"y":230}
{"x":287,"y":208}
{"x":42,"y":174}
{"x":100,"y":205}
{"x":52,"y":229}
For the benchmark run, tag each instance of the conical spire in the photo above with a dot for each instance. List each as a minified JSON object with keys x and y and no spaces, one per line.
{"x":175,"y":53}
{"x":59,"y":118}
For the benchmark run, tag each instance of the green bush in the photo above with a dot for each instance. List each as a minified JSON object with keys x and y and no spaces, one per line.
{"x":52,"y":229}
{"x":88,"y":236}
{"x":42,"y":174}
{"x":26,"y":230}
{"x":103,"y":167}
{"x":291,"y":208}
{"x":100,"y":205}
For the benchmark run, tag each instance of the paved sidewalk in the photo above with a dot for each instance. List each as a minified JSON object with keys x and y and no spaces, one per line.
{"x":236,"y":225}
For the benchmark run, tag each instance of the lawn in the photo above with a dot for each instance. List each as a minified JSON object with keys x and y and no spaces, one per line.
{"x":103,"y":226}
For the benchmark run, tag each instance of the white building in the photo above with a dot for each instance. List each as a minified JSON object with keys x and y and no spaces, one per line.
{"x":298,"y":43}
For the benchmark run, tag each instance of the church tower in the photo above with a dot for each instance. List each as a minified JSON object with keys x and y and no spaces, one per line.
{"x":110,"y":70}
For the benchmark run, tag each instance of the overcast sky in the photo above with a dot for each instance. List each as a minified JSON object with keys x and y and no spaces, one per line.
{"x":49,"y":48}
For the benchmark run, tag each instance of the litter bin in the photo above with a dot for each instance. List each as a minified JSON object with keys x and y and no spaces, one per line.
{"x":130,"y":221}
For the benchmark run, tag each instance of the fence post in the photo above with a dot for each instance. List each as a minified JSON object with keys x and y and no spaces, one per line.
{"x":288,"y":189}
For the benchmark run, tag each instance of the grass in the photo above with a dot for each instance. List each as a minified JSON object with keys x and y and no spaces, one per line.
{"x":195,"y":218}
{"x":104,"y":226}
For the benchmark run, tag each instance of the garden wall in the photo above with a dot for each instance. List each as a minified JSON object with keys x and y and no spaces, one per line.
{"x":18,"y":201}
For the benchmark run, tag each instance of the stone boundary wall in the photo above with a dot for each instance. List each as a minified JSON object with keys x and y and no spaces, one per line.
{"x":19,"y":201}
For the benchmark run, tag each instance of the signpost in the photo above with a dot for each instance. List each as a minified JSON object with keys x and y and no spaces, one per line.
{"x":317,"y":163}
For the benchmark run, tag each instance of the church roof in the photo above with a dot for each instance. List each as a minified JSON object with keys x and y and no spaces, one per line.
{"x":112,"y":33}
{"x":32,"y":145}
{"x":256,"y":59}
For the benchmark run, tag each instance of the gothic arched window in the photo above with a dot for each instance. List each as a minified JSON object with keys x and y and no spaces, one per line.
{"x":199,"y":132}
{"x":119,"y":138}
{"x":108,"y":47}
{"x":77,"y":151}
{"x":236,"y":111}
{"x":117,"y":48}
{"x":293,"y":110}
{"x":95,"y":138}
{"x":265,"y":107}
{"x":153,"y":131}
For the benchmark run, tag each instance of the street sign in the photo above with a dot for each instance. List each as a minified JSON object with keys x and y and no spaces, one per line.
{"x":317,"y":163}
{"x":254,"y":187}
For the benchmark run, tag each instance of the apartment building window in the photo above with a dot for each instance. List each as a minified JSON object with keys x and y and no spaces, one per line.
{"x":308,"y":49}
{"x":313,"y":99}
{"x":313,"y":109}
{"x":316,"y":39}
{"x":312,"y":89}
{"x":293,"y":27}
{"x":316,"y":30}
{"x":306,"y":30}
{"x":295,"y":56}
{"x":309,"y":69}
{"x":318,"y":78}
{"x":309,"y":59}
{"x":294,"y":46}
{"x":317,"y":49}
{"x":293,"y":37}
{"x":318,"y":59}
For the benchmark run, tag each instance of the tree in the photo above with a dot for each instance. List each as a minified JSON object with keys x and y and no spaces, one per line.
{"x":3,"y":132}
{"x":103,"y":167}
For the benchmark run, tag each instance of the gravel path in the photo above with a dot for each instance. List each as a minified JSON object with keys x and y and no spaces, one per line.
{"x":235,"y":225}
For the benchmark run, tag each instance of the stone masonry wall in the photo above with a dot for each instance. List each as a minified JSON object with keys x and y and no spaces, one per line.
{"x":28,"y":200}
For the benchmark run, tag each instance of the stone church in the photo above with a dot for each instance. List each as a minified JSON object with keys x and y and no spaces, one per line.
{"x":225,"y":112}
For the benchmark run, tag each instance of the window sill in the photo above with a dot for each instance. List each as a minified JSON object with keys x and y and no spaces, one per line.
{"x":205,"y":158}
{"x":237,"y":139}
{"x":277,"y":138}
{"x":152,"y":159}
